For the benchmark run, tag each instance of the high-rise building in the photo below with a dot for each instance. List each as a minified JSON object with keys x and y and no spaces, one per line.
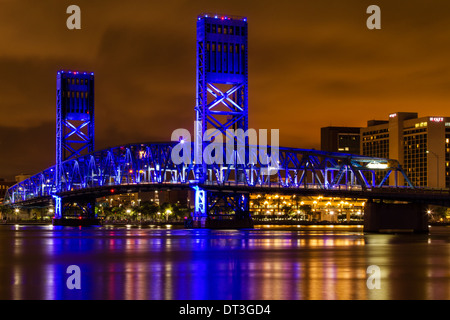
{"x":421,"y":145}
{"x":340,"y":139}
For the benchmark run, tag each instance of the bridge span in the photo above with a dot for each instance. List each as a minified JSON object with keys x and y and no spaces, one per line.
{"x":150,"y":166}
{"x":144,"y":167}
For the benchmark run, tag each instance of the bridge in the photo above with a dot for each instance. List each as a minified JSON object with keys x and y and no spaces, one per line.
{"x":81,"y":175}
{"x":150,"y":166}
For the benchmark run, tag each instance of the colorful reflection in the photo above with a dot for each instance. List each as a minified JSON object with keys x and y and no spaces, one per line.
{"x":289,"y":263}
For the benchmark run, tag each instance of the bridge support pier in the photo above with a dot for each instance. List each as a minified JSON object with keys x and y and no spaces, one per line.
{"x":213,"y":210}
{"x":79,"y":213}
{"x":383,"y":217}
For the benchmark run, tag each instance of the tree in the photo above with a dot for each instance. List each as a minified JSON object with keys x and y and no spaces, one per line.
{"x":306,"y":209}
{"x":438,"y":214}
{"x":5,"y":211}
{"x":286,"y":209}
{"x":148,"y":210}
{"x":277,"y":201}
{"x":118,"y":212}
{"x":258,"y":201}
{"x":166,"y":210}
{"x":108,"y":213}
{"x":180,"y":211}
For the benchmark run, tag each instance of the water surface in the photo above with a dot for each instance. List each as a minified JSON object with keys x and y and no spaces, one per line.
{"x":168,"y":263}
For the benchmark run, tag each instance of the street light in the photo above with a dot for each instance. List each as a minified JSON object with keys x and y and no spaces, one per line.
{"x":437,"y":166}
{"x":168,"y":212}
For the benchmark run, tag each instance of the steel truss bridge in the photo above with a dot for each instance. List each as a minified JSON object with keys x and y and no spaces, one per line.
{"x":81,"y":174}
{"x":149,"y":166}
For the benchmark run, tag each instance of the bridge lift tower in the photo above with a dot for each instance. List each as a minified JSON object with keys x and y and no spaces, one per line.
{"x":74,"y":131}
{"x":221,"y":102}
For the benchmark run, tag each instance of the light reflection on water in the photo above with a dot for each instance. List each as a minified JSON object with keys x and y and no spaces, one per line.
{"x":290,"y":263}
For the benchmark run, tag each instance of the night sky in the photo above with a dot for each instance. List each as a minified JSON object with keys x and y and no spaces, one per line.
{"x":311,"y":64}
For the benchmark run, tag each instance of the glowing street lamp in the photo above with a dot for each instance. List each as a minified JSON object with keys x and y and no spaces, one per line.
{"x":168,"y":211}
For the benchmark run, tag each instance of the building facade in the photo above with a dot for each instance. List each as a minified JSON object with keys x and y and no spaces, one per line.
{"x":421,"y":145}
{"x":340,"y":139}
{"x":4,"y":185}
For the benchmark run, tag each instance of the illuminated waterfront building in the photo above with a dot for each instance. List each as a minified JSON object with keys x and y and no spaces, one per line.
{"x":306,"y":208}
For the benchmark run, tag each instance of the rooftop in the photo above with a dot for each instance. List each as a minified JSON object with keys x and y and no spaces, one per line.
{"x":221,"y":16}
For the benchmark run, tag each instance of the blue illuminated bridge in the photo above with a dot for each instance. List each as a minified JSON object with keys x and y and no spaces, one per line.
{"x":149,"y":166}
{"x":81,"y":174}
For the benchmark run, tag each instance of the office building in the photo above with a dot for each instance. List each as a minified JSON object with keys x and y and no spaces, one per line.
{"x":421,"y":145}
{"x":340,"y":139}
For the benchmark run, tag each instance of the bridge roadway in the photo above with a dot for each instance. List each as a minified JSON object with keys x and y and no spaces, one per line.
{"x":148,"y":166}
{"x":439,"y":197}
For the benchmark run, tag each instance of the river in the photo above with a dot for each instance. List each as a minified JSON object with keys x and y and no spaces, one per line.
{"x":264,"y":263}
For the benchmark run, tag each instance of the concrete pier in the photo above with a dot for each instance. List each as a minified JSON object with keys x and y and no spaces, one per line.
{"x":395,"y":217}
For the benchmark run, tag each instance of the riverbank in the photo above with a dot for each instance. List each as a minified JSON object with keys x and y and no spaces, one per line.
{"x":181,"y":223}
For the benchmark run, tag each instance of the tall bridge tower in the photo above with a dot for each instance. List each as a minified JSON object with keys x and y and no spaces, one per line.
{"x":222,"y":97}
{"x":74,"y":114}
{"x":74,"y":123}
{"x":222,"y":72}
{"x":222,"y":76}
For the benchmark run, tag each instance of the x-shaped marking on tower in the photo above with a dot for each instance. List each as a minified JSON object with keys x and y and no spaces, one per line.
{"x":224,"y":98}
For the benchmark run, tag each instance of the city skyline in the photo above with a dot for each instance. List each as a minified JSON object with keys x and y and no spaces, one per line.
{"x":350,"y":201}
{"x":315,"y":64}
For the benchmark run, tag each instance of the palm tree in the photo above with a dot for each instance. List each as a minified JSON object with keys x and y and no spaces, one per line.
{"x":286,"y":209}
{"x":306,"y":209}
{"x":278,"y":202}
{"x":258,"y":201}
